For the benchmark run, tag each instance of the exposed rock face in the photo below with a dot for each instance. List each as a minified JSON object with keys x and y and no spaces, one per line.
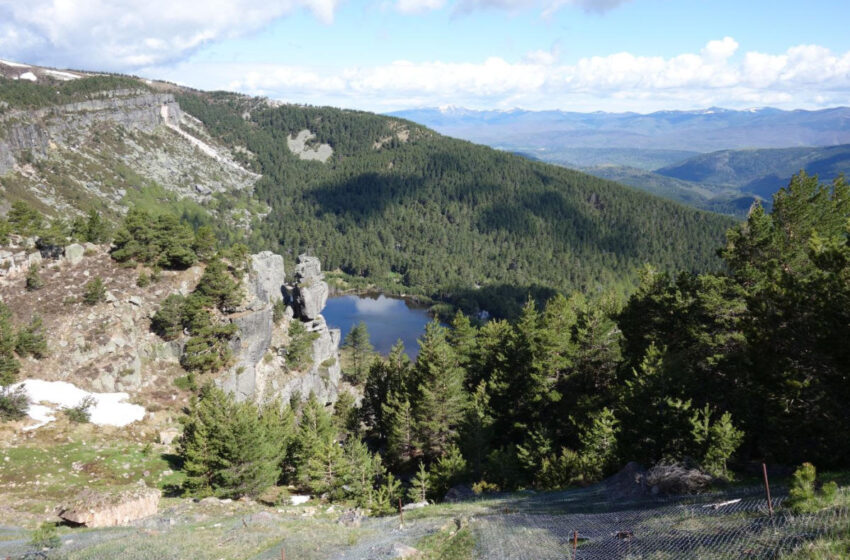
{"x":310,"y":293}
{"x":260,"y":347}
{"x":267,"y":277}
{"x":33,"y":131}
{"x":94,"y":509}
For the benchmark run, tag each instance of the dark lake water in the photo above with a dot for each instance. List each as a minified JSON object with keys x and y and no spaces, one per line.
{"x":388,"y":319}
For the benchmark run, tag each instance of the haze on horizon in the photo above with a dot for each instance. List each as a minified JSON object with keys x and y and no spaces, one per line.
{"x":386,"y":55}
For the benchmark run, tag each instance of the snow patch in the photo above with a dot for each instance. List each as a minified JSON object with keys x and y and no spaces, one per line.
{"x":28,"y":76}
{"x":64,"y":76}
{"x":109,"y":409}
{"x":14,"y":64}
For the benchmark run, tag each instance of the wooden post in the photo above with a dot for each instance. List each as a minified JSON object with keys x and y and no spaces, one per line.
{"x":400,"y":511}
{"x":767,"y":489}
{"x":282,"y":554}
{"x":575,"y":545}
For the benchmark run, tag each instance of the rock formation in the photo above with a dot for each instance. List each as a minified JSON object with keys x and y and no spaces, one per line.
{"x":33,"y":132}
{"x":99,"y":509}
{"x":260,"y":371}
{"x":310,"y":292}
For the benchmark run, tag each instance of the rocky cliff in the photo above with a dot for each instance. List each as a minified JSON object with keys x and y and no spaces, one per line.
{"x":261,"y":371}
{"x":109,"y":346}
{"x":30,"y":133}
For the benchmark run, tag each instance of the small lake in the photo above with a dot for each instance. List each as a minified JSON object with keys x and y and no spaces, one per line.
{"x":388,"y":319}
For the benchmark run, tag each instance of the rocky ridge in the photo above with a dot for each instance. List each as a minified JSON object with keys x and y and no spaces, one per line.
{"x":261,"y":371}
{"x":109,"y":346}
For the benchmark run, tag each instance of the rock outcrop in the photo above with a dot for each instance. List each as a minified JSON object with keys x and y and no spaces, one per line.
{"x":260,"y":371}
{"x":32,"y":132}
{"x":310,"y":292}
{"x":97,"y":509}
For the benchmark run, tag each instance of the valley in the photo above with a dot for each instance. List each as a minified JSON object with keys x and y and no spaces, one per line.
{"x":177,"y":379}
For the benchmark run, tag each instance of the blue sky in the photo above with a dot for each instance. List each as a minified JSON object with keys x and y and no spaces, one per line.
{"x":382,"y":55}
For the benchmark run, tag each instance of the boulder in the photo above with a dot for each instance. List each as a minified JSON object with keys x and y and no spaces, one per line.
{"x":351,"y":518}
{"x":110,"y":509}
{"x":414,"y":505}
{"x":74,"y":253}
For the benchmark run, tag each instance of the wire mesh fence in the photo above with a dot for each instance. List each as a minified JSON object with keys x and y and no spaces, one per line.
{"x":714,"y":526}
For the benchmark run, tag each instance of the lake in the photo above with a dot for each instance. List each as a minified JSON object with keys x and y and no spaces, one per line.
{"x":387,"y":319}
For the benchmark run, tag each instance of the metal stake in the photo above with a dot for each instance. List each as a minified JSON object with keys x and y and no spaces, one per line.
{"x":575,"y":545}
{"x":767,"y":489}
{"x":400,"y":511}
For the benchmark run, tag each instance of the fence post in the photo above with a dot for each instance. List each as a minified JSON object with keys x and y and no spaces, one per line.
{"x":767,"y":489}
{"x":400,"y":511}
{"x":575,"y":545}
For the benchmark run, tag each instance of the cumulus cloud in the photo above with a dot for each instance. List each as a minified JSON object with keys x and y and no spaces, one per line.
{"x":802,"y":76}
{"x":127,"y":34}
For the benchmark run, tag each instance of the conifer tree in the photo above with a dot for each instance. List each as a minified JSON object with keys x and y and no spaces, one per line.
{"x":402,"y":443}
{"x":442,"y":400}
{"x":9,"y":365}
{"x":420,"y":485}
{"x":357,"y":341}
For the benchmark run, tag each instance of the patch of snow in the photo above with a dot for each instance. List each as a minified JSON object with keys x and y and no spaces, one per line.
{"x":65,"y":76}
{"x":14,"y":64}
{"x":109,"y":409}
{"x":28,"y":76}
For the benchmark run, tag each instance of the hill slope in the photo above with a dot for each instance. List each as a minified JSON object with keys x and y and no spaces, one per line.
{"x":761,"y":172}
{"x":374,"y":196}
{"x":402,"y":204}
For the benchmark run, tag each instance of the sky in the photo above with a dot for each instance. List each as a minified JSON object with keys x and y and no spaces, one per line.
{"x":385,"y":55}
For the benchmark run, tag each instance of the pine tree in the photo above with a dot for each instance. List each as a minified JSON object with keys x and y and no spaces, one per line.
{"x":390,"y":375}
{"x":402,"y":443}
{"x":362,"y":473}
{"x":477,"y":433}
{"x":357,"y":341}
{"x":9,"y":365}
{"x":420,"y":485}
{"x":442,"y":401}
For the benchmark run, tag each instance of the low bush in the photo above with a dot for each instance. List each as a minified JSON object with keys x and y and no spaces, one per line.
{"x":13,"y":403}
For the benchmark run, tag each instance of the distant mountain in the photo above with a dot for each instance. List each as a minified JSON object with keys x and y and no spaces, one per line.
{"x":760,"y":172}
{"x":664,"y":152}
{"x":698,"y":131}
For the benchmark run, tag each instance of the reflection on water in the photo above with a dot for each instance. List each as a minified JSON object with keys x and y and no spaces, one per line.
{"x":388,"y":319}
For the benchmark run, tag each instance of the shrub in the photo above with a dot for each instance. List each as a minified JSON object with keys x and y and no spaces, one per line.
{"x":804,"y":496}
{"x":167,"y":322}
{"x":81,"y":412}
{"x":45,"y":537}
{"x":144,"y":280}
{"x":34,"y":281}
{"x":31,"y":340}
{"x":13,"y":403}
{"x":94,"y":292}
{"x":298,"y":353}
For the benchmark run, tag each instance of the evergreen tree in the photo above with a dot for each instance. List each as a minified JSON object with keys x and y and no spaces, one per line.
{"x":442,"y":401}
{"x":420,"y":485}
{"x":362,"y":472}
{"x":32,"y":340}
{"x":9,"y":365}
{"x":357,"y":341}
{"x":401,"y":429}
{"x":385,"y":376}
{"x":205,"y":243}
{"x":33,"y":279}
{"x":219,"y":286}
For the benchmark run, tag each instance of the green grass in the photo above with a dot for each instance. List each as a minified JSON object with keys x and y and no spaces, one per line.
{"x":45,"y":475}
{"x":453,"y":542}
{"x":829,"y":548}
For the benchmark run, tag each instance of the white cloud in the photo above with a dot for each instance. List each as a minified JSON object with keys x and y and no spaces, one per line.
{"x":417,"y":6}
{"x":546,"y":7}
{"x":802,"y":76}
{"x":128,"y":34}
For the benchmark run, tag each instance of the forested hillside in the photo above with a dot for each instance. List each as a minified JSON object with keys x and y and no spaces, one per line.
{"x":405,"y":206}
